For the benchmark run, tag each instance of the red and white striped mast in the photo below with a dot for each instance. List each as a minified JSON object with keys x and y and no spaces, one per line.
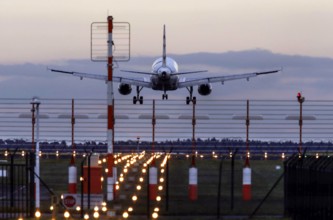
{"x":110,"y":131}
{"x":72,"y":170}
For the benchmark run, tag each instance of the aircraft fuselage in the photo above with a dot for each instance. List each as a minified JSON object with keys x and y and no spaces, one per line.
{"x":163,"y":79}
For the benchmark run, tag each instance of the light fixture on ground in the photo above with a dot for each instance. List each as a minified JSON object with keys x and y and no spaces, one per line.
{"x":125,"y":215}
{"x":66,"y":214}
{"x":155,"y":215}
{"x":96,"y":215}
{"x":38,"y":214}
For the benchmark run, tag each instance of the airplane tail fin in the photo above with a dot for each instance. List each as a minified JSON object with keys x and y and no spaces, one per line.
{"x":164,"y":47}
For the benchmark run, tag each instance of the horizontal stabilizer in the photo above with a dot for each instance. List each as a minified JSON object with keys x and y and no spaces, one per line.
{"x":137,"y":72}
{"x":190,"y":72}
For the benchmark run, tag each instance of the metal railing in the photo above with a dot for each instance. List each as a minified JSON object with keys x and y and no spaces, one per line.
{"x":217,"y":122}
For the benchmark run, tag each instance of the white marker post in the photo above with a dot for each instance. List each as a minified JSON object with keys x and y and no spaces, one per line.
{"x":35,"y":104}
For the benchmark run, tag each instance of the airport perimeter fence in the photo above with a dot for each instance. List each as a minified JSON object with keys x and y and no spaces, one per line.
{"x":308,"y":184}
{"x":217,"y":125}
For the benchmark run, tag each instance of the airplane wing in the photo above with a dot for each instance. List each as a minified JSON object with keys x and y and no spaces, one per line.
{"x":133,"y":81}
{"x":222,"y":79}
{"x":81,"y":75}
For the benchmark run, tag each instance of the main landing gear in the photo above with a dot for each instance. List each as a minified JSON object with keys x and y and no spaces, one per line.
{"x":190,"y":98}
{"x":138,"y":98}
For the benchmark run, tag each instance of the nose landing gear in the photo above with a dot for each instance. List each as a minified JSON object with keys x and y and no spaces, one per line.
{"x":165,"y":96}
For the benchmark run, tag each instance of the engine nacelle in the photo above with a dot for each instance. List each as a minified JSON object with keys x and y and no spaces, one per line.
{"x":125,"y":89}
{"x":205,"y":89}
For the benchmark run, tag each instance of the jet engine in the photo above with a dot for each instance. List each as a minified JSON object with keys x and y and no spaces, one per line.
{"x":124,"y":89}
{"x":205,"y":89}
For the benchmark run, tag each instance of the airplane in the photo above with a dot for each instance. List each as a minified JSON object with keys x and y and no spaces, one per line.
{"x":165,"y":76}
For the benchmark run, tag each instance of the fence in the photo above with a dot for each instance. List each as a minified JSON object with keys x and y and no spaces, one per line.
{"x":308,"y":187}
{"x":16,"y":189}
{"x":220,"y":124}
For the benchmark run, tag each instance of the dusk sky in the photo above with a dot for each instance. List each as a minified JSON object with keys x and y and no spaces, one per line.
{"x":44,"y":31}
{"x":236,"y":36}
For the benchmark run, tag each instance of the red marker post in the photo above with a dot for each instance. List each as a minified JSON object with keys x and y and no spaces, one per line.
{"x":72,"y":176}
{"x":193,"y":171}
{"x":153,"y":169}
{"x":247,"y":181}
{"x":72,"y":170}
{"x":300,"y":100}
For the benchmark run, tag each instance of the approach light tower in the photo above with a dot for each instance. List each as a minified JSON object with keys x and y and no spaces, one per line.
{"x":110,"y":109}
{"x":104,"y":49}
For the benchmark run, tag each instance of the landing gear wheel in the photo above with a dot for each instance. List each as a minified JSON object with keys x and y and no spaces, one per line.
{"x":165,"y":96}
{"x":187,"y":100}
{"x":194,"y":100}
{"x":138,"y":98}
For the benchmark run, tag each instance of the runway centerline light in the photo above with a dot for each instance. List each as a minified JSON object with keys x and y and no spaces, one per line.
{"x":38,"y":214}
{"x":155,"y":215}
{"x":125,"y":215}
{"x":66,"y":214}
{"x":96,"y":215}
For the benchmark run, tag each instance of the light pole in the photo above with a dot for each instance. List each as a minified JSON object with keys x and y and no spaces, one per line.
{"x":35,"y":119}
{"x":300,"y":100}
